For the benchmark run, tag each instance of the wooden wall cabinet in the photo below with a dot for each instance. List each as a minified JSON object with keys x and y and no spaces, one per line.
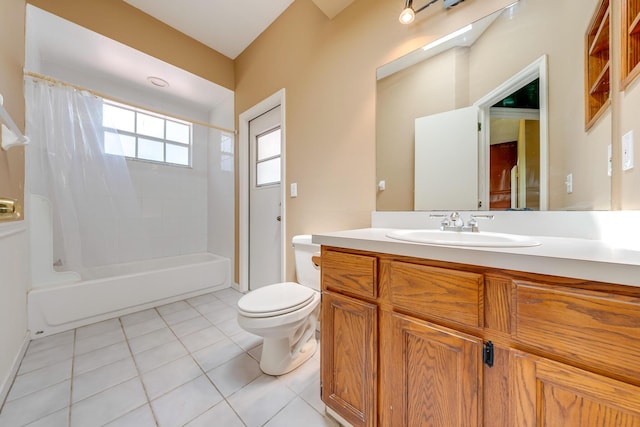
{"x":630,"y":57}
{"x":405,"y":342}
{"x":597,"y":64}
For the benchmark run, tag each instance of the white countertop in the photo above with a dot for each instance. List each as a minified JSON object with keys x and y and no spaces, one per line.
{"x":560,"y":256}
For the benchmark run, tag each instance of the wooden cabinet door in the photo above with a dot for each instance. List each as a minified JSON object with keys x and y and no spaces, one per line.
{"x":549,"y":394}
{"x":349,"y":343}
{"x":430,"y":375}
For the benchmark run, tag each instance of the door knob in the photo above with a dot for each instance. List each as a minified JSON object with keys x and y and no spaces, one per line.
{"x":279,"y":218}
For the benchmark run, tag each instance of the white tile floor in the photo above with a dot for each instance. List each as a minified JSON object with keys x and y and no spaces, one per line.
{"x":181,"y":364}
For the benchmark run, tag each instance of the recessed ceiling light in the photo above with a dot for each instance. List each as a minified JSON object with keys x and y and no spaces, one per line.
{"x":157,"y":81}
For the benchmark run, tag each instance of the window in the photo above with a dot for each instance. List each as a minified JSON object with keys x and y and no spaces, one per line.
{"x":140,"y":134}
{"x":268,"y":147}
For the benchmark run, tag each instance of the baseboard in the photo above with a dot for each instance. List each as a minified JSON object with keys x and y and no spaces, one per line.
{"x":6,"y":384}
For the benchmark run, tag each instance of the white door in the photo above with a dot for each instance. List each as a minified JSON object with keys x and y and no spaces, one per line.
{"x":443,"y":140}
{"x":265,"y":204}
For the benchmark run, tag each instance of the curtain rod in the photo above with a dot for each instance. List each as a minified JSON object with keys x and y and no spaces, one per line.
{"x":111,"y":98}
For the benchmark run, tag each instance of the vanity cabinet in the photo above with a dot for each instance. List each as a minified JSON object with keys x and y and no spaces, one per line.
{"x":349,"y":336}
{"x":548,"y":393}
{"x":416,"y":342}
{"x":430,"y":374}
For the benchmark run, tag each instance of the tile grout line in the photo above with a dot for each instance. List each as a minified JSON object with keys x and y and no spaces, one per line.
{"x":135,"y":363}
{"x":224,"y":398}
{"x":73,"y":362}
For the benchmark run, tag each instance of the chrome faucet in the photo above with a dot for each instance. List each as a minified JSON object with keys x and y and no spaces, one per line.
{"x":454,"y":222}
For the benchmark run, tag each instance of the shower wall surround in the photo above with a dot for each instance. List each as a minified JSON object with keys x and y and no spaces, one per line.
{"x":173,"y":200}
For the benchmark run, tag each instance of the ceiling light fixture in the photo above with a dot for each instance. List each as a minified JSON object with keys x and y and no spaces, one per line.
{"x":408,"y":14}
{"x":157,"y":81}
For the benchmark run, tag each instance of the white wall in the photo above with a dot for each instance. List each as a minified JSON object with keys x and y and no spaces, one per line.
{"x":221,"y":183}
{"x":174,"y":202}
{"x":14,"y":277}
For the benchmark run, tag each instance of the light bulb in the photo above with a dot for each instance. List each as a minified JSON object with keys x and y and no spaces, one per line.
{"x":407,"y":16}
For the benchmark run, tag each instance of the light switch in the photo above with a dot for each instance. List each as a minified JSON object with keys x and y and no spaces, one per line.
{"x":382,"y":185}
{"x":294,"y":189}
{"x":627,"y":151}
{"x":569,"y":183}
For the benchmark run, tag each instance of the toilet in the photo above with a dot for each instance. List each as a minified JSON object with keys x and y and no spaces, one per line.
{"x":286,"y":314}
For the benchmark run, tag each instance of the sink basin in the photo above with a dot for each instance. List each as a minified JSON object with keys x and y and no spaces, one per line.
{"x":456,"y":238}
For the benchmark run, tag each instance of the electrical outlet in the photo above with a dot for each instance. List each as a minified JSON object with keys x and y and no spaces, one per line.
{"x":627,"y":151}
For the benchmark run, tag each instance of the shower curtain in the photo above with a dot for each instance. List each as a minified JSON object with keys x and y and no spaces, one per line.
{"x":94,"y":205}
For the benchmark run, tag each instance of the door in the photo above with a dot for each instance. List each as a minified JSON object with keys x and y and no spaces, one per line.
{"x":265,"y":203}
{"x":446,"y":161}
{"x":502,"y":158}
{"x":549,"y":394}
{"x":431,"y":375}
{"x":349,"y":358}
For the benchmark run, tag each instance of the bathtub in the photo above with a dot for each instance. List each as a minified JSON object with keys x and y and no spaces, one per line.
{"x":115,"y":290}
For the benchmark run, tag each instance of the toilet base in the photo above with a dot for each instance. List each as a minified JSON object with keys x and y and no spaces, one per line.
{"x":277,"y":358}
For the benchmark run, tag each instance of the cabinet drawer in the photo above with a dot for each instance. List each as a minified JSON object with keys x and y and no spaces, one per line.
{"x":589,"y":328}
{"x":436,"y":292}
{"x":350,"y":273}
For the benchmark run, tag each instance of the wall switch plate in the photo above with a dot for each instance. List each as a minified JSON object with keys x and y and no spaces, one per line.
{"x":382,"y":185}
{"x":627,"y":151}
{"x":294,"y":189}
{"x":609,"y":161}
{"x":569,"y":183}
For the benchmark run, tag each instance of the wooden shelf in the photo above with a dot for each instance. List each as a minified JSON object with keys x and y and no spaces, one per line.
{"x":634,"y":27}
{"x":602,"y":82}
{"x":630,"y":32}
{"x":597,"y":63}
{"x":601,"y":39}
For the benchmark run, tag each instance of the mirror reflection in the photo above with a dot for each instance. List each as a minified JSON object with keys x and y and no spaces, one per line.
{"x":493,"y":117}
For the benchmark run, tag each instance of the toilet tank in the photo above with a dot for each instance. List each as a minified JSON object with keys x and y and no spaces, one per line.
{"x":306,"y":272}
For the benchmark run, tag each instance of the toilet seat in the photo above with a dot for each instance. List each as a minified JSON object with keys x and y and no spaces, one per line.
{"x":275,"y":300}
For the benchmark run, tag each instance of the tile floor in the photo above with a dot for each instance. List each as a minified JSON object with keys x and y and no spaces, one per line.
{"x":181,"y":364}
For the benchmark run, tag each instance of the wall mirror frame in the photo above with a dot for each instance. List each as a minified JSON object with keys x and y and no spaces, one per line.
{"x":527,"y":40}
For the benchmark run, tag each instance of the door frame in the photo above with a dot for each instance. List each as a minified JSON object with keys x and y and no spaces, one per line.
{"x":244,"y":183}
{"x":537,"y":69}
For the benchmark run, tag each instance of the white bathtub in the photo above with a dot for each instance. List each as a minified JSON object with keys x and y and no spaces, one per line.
{"x":112,"y":291}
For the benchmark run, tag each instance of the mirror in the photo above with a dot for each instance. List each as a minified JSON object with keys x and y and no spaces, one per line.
{"x":532,"y":49}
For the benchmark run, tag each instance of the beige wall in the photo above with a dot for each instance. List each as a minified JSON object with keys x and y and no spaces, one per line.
{"x":571,"y":149}
{"x":426,"y":88}
{"x":328,"y":70}
{"x":13,"y":248}
{"x":11,"y":65}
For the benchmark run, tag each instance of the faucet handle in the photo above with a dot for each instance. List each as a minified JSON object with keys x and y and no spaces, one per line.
{"x":473,"y":220}
{"x":444,"y":222}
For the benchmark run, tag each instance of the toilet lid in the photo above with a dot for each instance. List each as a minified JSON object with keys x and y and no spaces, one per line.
{"x":274,"y":300}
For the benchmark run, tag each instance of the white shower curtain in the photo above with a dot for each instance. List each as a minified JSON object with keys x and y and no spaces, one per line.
{"x":96,"y":214}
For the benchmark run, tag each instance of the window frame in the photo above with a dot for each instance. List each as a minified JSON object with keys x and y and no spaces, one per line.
{"x":266,"y":159}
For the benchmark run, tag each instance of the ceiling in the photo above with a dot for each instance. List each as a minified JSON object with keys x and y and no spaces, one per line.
{"x":102,"y":64}
{"x":228,"y":26}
